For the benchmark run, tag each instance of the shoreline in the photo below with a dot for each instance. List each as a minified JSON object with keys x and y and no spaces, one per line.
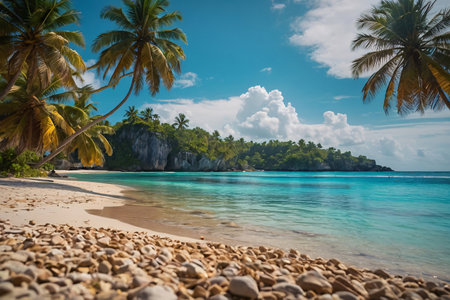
{"x":51,"y":246}
{"x":66,"y":201}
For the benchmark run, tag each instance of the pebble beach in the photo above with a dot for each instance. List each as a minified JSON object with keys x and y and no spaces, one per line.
{"x":51,"y":248}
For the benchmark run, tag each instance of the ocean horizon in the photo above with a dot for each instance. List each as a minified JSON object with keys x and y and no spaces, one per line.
{"x":398,"y":221}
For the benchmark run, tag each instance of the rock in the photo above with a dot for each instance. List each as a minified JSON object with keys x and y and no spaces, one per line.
{"x":79,"y":277}
{"x":375,"y":284}
{"x":18,"y":279}
{"x":288,"y":288}
{"x":267,"y":279}
{"x":104,"y":241}
{"x":344,"y":296}
{"x":218,"y":297}
{"x":55,"y":252}
{"x":6,"y":288}
{"x":148,"y":250}
{"x":244,"y":286}
{"x":383,"y":274}
{"x":200,"y":291}
{"x":219,"y":280}
{"x":314,"y":281}
{"x":58,"y":240}
{"x":384,"y":292}
{"x":157,"y":292}
{"x":410,"y":295}
{"x":104,"y":267}
{"x":440,"y":291}
{"x":215,"y":289}
{"x":194,"y":271}
{"x":342,"y":284}
{"x":325,"y":297}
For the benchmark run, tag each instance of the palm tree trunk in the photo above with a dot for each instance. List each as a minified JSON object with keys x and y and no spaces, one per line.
{"x":10,"y":84}
{"x":68,"y":140}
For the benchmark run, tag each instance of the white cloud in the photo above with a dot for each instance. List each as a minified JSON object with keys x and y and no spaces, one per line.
{"x":342,"y":97}
{"x":261,"y":115}
{"x":186,"y":80}
{"x":328,"y":29}
{"x":278,"y":6}
{"x":89,"y":78}
{"x":266,"y":69}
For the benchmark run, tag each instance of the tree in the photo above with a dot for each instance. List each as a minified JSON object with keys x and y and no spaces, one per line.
{"x":87,"y":144}
{"x":31,"y":43}
{"x":27,"y":122}
{"x":181,"y":122}
{"x":411,"y":51}
{"x":131,"y":115}
{"x":143,"y":44}
{"x":147,"y":114}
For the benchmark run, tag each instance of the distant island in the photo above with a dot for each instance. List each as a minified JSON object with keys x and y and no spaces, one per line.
{"x":149,"y":145}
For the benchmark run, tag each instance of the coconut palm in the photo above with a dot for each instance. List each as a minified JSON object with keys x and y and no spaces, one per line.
{"x":87,"y":144}
{"x":410,"y":50}
{"x":144,"y":44}
{"x":131,"y":115}
{"x":27,"y":122}
{"x":181,"y":122}
{"x":31,"y":42}
{"x":147,"y":114}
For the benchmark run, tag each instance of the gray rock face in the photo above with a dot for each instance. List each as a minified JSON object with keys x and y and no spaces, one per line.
{"x":244,"y":286}
{"x":187,"y":161}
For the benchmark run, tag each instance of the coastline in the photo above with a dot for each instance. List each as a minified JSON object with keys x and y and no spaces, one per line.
{"x":96,"y":257}
{"x":66,"y":201}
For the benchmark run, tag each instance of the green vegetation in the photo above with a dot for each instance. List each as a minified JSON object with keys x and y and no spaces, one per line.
{"x":237,"y":154}
{"x":410,"y":53}
{"x":17,"y":165}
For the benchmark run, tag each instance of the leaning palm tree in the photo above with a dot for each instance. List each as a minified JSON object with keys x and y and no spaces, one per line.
{"x":88,"y":144}
{"x":28,"y":122}
{"x":32,"y":43}
{"x":143,"y":44}
{"x":411,"y":52}
{"x":181,"y":122}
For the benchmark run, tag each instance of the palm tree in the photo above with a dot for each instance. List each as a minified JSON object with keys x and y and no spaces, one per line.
{"x":411,"y":51}
{"x":147,"y":114}
{"x":131,"y":115}
{"x":27,"y":122}
{"x":31,"y":42}
{"x":143,"y":44}
{"x":181,"y":122}
{"x":87,"y":144}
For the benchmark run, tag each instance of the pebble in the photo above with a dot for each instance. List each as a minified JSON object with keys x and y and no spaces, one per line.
{"x":65,"y":262}
{"x":157,"y":292}
{"x":244,"y":286}
{"x":314,"y":281}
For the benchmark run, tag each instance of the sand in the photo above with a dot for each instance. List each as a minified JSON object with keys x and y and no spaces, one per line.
{"x":65,"y":201}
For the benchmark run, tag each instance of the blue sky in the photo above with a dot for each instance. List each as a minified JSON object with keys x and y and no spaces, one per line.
{"x":264,"y":69}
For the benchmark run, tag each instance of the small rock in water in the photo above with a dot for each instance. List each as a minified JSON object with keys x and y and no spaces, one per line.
{"x":244,"y":286}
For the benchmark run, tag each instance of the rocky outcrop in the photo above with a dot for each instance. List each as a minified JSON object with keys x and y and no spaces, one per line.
{"x":187,"y":161}
{"x":138,"y":149}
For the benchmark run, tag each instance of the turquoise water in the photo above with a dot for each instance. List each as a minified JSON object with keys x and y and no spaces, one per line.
{"x":394,"y":220}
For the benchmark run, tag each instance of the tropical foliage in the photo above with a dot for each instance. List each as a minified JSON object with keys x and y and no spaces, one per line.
{"x":142,"y":46}
{"x":181,"y":122}
{"x":33,"y":43}
{"x":238,"y":154}
{"x":411,"y":50}
{"x":14,"y":164}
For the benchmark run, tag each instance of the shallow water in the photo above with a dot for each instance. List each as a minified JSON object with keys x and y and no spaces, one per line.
{"x":399,"y":221}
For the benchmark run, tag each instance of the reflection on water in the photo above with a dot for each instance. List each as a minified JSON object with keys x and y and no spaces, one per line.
{"x":399,"y":221}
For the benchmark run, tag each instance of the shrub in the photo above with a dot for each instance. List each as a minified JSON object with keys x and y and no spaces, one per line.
{"x":17,"y":165}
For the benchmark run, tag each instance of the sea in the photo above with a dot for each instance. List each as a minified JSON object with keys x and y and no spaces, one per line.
{"x":396,"y":221}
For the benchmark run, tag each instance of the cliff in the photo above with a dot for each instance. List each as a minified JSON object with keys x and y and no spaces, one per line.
{"x":137,"y":148}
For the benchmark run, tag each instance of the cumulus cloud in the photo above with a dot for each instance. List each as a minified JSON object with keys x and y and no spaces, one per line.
{"x":327,"y":30}
{"x":266,"y":69}
{"x":186,"y":80}
{"x":261,"y":115}
{"x":89,"y":77}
